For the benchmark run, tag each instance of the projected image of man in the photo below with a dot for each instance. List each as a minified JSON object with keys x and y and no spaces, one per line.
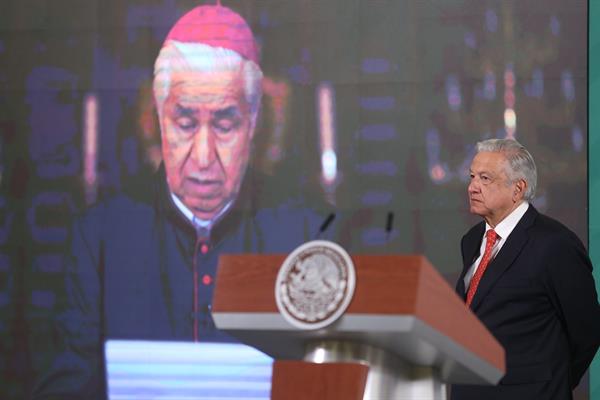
{"x":142,"y":265}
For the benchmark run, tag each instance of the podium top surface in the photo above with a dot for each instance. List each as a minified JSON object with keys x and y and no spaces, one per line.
{"x":401,"y":304}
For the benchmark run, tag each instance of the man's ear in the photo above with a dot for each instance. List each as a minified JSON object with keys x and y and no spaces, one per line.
{"x":520,"y":187}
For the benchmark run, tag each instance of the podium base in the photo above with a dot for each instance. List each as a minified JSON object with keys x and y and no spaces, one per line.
{"x":388,"y":378}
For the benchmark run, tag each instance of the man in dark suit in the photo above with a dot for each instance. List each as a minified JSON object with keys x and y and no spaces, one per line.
{"x":528,"y":279}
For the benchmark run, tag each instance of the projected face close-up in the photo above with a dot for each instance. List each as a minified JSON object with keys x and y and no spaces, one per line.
{"x":206,"y":138}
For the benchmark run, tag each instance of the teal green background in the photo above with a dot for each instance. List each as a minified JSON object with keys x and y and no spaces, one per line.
{"x":594,"y":164}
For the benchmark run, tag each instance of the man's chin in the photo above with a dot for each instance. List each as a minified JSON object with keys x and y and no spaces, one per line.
{"x":473,"y":209}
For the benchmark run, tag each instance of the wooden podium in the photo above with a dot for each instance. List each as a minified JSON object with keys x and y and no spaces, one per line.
{"x":403,"y":336}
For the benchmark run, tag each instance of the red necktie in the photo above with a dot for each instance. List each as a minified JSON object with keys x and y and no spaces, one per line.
{"x":491,"y":238}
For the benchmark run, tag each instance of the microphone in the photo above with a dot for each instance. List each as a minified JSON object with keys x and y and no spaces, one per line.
{"x":389,"y":223}
{"x":326,"y":223}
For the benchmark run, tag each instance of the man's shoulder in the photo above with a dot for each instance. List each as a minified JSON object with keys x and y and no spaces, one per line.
{"x":123,"y":208}
{"x":549,"y":223}
{"x":279,"y":213}
{"x":116,"y":206}
{"x":289,"y":212}
{"x":291,"y":224}
{"x":553,"y":230}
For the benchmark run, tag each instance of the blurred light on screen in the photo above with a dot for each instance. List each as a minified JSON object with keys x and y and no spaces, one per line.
{"x":491,"y":20}
{"x":509,"y":86}
{"x":568,"y":87}
{"x":453,"y":93}
{"x":510,"y":122}
{"x":438,"y":173}
{"x":377,"y":103}
{"x":509,"y":76}
{"x":555,"y":25}
{"x":470,"y":40}
{"x":536,"y":87}
{"x":90,"y":146}
{"x":375,"y":66}
{"x":376,"y":198}
{"x":277,"y":93}
{"x":374,"y":236}
{"x":326,"y":112}
{"x":186,"y":370}
{"x":43,"y":298}
{"x":577,"y":139}
{"x":489,"y":87}
{"x":378,"y":132}
{"x":329,"y":164}
{"x":510,"y":117}
{"x":383,"y":167}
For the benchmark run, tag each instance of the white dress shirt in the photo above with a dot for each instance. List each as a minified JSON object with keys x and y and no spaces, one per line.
{"x":503,"y":229}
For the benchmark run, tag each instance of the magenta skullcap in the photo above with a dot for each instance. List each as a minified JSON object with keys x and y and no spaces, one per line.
{"x":216,"y":26}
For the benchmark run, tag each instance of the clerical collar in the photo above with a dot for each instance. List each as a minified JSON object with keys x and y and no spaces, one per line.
{"x":198,"y":222}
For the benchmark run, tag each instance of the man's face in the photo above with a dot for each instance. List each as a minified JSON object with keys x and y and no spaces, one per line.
{"x":491,"y":194}
{"x":206,"y":135}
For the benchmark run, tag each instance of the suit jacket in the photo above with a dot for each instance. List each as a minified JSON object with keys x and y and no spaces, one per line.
{"x":538,"y":298}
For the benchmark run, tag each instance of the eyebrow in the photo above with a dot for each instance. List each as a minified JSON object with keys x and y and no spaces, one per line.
{"x":227,"y":112}
{"x":185,"y":111}
{"x":480,"y":172}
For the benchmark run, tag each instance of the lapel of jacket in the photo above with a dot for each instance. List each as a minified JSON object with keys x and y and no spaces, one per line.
{"x":505,"y":258}
{"x":470,"y":251}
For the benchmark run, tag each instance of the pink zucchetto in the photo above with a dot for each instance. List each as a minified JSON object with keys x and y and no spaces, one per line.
{"x":216,"y":26}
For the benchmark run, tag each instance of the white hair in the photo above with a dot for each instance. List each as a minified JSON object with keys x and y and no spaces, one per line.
{"x":520,"y":162}
{"x":177,"y":56}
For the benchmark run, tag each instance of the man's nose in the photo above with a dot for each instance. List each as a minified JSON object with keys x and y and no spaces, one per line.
{"x":204,"y":147}
{"x":473,"y":186}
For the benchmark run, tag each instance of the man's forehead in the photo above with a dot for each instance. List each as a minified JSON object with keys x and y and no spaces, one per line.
{"x":487,"y":161}
{"x":194,"y":88}
{"x":208,"y":78}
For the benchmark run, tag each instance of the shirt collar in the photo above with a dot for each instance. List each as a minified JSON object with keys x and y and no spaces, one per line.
{"x":198,"y":222}
{"x":506,"y":226}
